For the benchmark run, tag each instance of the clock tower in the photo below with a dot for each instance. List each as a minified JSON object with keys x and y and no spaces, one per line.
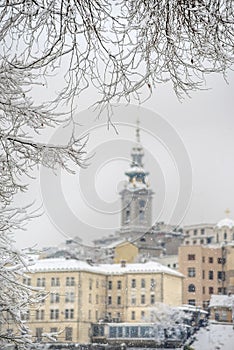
{"x":136,"y":197}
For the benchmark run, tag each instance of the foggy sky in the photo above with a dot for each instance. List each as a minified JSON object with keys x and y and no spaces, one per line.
{"x":205,"y":125}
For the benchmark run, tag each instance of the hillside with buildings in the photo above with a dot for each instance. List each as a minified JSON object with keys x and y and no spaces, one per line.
{"x":122,"y":279}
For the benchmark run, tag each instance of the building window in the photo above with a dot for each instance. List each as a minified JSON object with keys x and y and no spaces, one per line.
{"x":53,"y":330}
{"x":192,"y":302}
{"x":89,"y":315}
{"x":97,"y":283}
{"x":118,"y":300}
{"x":69,"y":297}
{"x":133,"y":315}
{"x":195,"y":241}
{"x":211,"y":290}
{"x":55,"y":282}
{"x":225,"y":235}
{"x":191,"y":288}
{"x":152,"y":299}
{"x":202,"y":241}
{"x":68,"y":333}
{"x":133,"y":283}
{"x":97,"y":298}
{"x":127,"y":215}
{"x":25,"y":316}
{"x":70,"y":281}
{"x":142,"y":283}
{"x":40,"y":315}
{"x":194,"y":232}
{"x":191,"y":256}
{"x":211,"y":275}
{"x":39,"y":332}
{"x":142,"y":315}
{"x":203,"y":290}
{"x":202,"y":231}
{"x":90,"y":298}
{"x":54,"y":298}
{"x":41,"y":282}
{"x":109,"y":285}
{"x":109,"y":300}
{"x":90,"y":284}
{"x":191,"y":272}
{"x":69,"y":314}
{"x":221,"y":275}
{"x":143,"y":299}
{"x":203,"y":274}
{"x":54,"y":314}
{"x":211,"y":260}
{"x":27,"y":281}
{"x":152,"y":283}
{"x":203,"y":259}
{"x":141,"y":215}
{"x":119,"y":285}
{"x":133,"y":300}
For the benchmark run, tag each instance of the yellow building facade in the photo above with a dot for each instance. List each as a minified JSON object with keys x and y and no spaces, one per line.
{"x":79,"y":294}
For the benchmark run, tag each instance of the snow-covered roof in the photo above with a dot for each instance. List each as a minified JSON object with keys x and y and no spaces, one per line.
{"x":225,"y":223}
{"x":61,"y":264}
{"x":116,"y":243}
{"x":222,"y":300}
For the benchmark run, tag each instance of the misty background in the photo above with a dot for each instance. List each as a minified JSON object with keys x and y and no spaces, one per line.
{"x":204,"y":123}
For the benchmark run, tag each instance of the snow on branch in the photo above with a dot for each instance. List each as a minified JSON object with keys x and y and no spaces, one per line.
{"x":121,"y":48}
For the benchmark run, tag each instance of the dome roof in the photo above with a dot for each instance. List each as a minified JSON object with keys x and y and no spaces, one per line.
{"x":225,"y":223}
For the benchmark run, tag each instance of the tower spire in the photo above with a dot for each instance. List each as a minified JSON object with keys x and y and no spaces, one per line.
{"x":138,"y":131}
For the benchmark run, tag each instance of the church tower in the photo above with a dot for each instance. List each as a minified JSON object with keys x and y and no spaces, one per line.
{"x":136,"y":197}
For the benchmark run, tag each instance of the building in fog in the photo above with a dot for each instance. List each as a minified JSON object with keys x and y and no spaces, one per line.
{"x":152,"y":239}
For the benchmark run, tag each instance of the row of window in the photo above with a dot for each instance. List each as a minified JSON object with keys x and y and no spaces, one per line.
{"x":133,"y":299}
{"x":192,"y":289}
{"x":208,"y":240}
{"x":54,"y":282}
{"x":54,"y":314}
{"x":210,"y":259}
{"x":67,"y":333}
{"x":69,"y":297}
{"x":70,"y":281}
{"x":220,"y":274}
{"x":133,"y":283}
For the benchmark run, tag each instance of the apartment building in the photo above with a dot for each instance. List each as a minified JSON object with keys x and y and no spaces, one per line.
{"x":80,"y":294}
{"x":208,"y":270}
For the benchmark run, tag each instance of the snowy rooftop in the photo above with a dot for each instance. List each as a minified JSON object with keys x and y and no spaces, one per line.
{"x":61,"y":264}
{"x":222,"y":300}
{"x":225,"y":223}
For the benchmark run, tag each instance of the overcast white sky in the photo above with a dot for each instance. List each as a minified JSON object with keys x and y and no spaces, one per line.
{"x":87,"y":205}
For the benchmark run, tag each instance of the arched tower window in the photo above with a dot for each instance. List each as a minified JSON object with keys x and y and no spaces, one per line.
{"x":127,"y":215}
